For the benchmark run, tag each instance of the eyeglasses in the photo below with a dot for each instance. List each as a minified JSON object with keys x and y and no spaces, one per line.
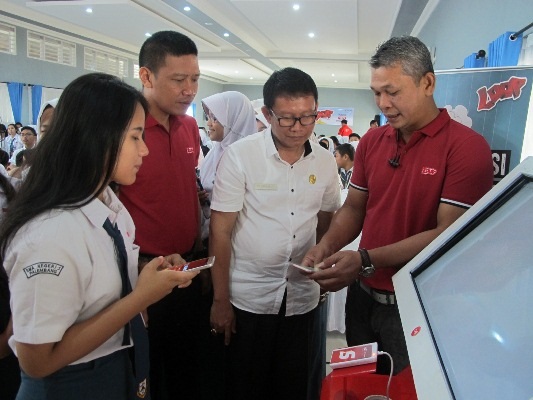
{"x":287,"y":122}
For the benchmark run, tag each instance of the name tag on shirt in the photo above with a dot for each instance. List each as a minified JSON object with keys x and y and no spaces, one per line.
{"x":266,"y":186}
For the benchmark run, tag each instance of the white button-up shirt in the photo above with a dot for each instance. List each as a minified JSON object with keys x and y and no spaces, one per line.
{"x":62,"y":270}
{"x":277,"y":205}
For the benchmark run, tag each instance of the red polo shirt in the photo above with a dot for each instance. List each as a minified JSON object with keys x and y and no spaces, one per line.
{"x":345,"y":130}
{"x":163,"y":201}
{"x":444,"y":162}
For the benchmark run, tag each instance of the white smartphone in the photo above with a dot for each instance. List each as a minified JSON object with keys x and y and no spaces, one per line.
{"x":305,"y":268}
{"x":196,"y":265}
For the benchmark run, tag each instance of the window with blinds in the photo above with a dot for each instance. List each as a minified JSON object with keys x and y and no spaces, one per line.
{"x":8,"y":39}
{"x":96,"y":60}
{"x":48,"y":48}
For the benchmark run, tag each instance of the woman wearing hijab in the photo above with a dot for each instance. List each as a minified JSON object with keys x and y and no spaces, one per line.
{"x":230,"y":117}
{"x":44,"y":119}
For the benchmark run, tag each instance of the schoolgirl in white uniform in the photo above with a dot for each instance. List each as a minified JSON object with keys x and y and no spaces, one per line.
{"x":70,"y":302}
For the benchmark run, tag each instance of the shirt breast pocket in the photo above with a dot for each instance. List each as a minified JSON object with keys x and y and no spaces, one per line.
{"x":313,"y":199}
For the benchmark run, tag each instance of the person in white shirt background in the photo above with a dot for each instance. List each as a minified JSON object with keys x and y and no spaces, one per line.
{"x":12,"y":141}
{"x":230,"y":117}
{"x":28,"y":136}
{"x":344,"y":156}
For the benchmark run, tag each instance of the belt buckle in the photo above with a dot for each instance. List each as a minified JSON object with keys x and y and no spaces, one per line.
{"x":384,"y":298}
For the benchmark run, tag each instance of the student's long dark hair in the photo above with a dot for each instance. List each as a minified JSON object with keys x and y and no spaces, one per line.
{"x":75,"y":160}
{"x":7,"y":188}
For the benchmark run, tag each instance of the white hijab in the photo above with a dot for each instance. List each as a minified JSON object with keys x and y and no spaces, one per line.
{"x":52,"y":103}
{"x":331,"y":145}
{"x":235,"y":113}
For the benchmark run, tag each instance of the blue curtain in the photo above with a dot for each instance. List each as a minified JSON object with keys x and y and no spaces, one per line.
{"x":36,"y":98}
{"x":504,"y":51}
{"x":15,"y":95}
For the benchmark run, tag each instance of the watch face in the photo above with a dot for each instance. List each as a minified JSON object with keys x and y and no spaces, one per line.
{"x":367,"y":271}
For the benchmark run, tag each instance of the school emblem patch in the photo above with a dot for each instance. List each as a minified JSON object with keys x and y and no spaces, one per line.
{"x":43,"y":268}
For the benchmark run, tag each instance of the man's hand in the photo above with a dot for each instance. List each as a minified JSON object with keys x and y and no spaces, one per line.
{"x":338,"y":271}
{"x":223,"y":319}
{"x":315,"y":255}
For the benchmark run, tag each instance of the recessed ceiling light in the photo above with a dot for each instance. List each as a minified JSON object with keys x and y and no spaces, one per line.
{"x":311,"y":35}
{"x":226,"y":34}
{"x":236,"y":72}
{"x":335,"y":81}
{"x":147,"y":34}
{"x":208,"y":23}
{"x":88,"y":10}
{"x":187,"y":8}
{"x":332,"y":74}
{"x":251,"y":77}
{"x":296,"y":7}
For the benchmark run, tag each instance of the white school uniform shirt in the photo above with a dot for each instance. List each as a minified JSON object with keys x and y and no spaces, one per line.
{"x":62,"y":270}
{"x":277,"y":205}
{"x":17,"y":143}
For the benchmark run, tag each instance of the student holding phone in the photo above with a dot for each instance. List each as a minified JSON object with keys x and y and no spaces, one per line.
{"x":67,"y":245}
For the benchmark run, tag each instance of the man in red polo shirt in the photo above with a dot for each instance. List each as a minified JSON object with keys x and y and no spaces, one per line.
{"x":412,"y":179}
{"x":164,"y":205}
{"x":345,"y":130}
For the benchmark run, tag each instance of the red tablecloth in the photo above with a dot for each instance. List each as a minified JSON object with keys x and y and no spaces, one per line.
{"x":356,"y":383}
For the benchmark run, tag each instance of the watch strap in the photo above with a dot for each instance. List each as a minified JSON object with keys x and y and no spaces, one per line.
{"x":365,"y":258}
{"x":367,"y":269}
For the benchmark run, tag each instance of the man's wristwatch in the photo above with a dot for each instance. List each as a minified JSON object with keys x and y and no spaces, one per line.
{"x":367,"y":269}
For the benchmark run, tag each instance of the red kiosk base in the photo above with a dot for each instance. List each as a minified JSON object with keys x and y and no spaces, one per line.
{"x":358,"y":382}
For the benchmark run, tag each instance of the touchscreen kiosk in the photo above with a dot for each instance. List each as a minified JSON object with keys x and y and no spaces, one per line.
{"x":466,"y":301}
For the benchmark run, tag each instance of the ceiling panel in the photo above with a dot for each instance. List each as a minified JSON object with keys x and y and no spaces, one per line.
{"x":253,"y":37}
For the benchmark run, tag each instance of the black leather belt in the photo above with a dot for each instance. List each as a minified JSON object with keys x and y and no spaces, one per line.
{"x":381,"y":296}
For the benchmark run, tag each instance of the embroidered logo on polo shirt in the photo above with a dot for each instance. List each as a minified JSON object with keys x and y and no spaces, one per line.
{"x":190,"y":150}
{"x":43,"y":268}
{"x":428,"y":171}
{"x":312,"y":179}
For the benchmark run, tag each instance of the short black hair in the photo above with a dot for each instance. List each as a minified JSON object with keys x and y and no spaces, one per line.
{"x":346,"y":149}
{"x":157,"y":47}
{"x":4,"y":157}
{"x":29,"y":128}
{"x":344,"y":121}
{"x":19,"y":158}
{"x":288,"y":82}
{"x":353,"y":134}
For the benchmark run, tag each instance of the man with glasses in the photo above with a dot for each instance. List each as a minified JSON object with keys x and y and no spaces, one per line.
{"x":274,"y":195}
{"x":28,"y":137}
